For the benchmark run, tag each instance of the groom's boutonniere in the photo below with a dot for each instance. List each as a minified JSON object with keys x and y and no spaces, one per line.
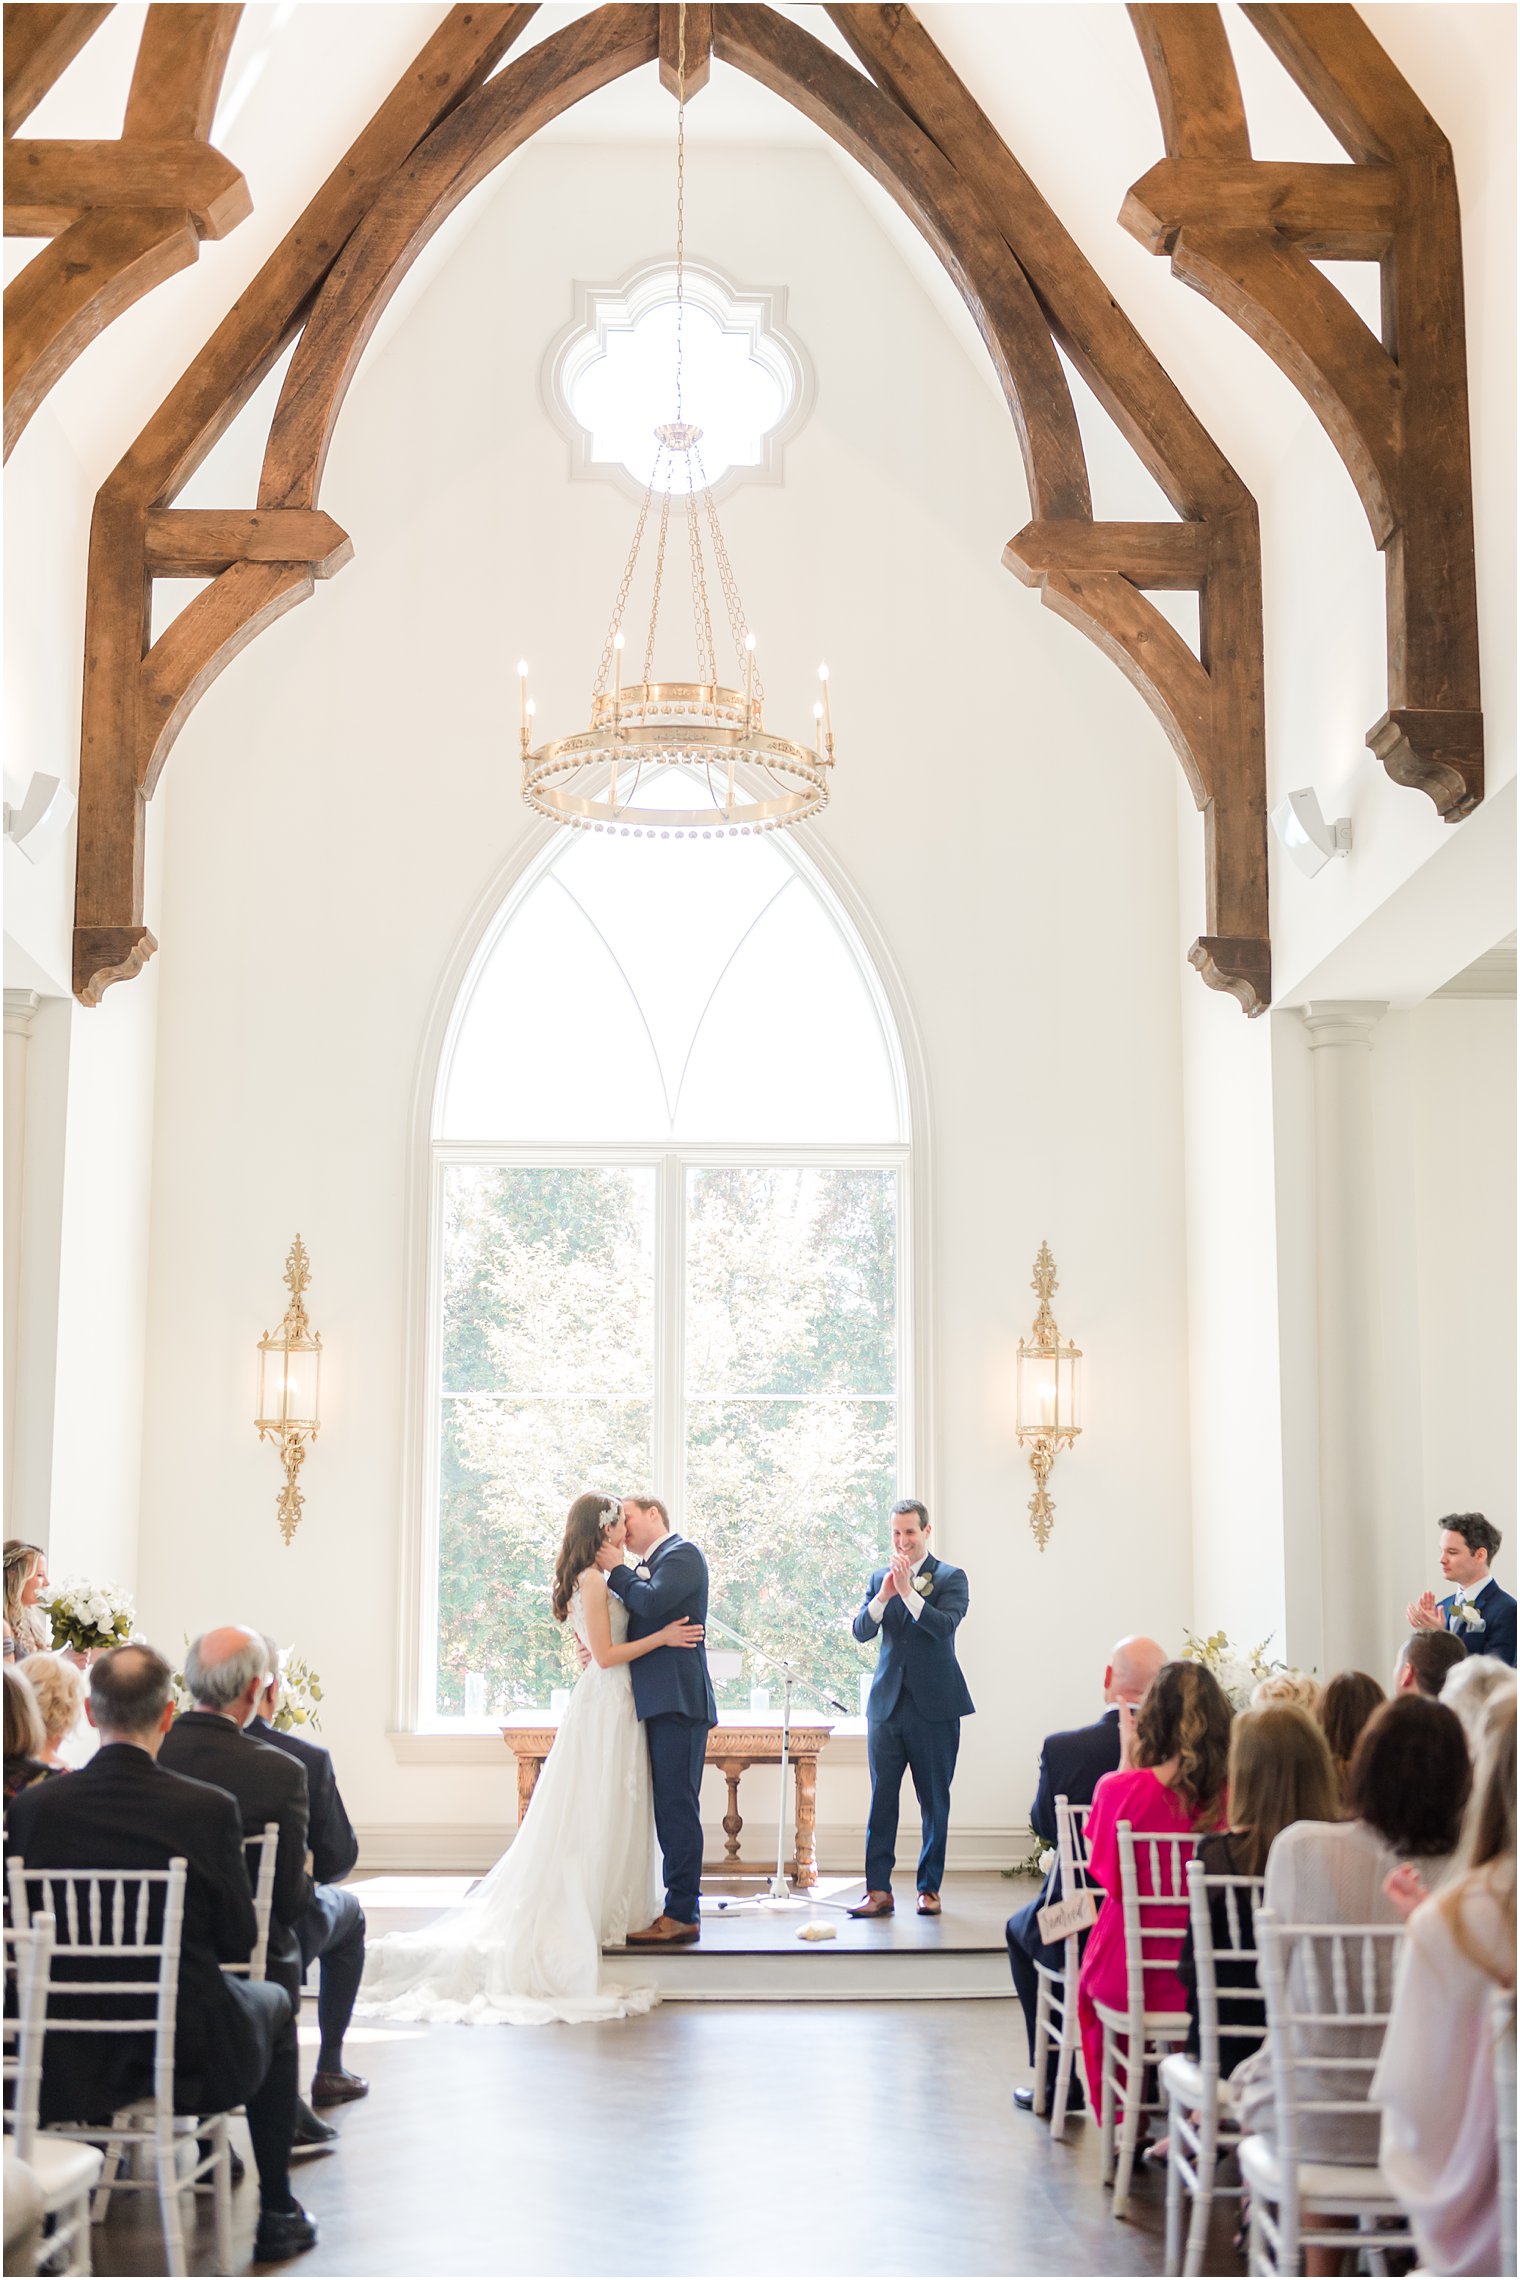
{"x":1466,"y":1617}
{"x":923,"y":1585}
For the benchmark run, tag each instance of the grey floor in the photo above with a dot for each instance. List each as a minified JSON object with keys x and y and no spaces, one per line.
{"x":848,"y":2139}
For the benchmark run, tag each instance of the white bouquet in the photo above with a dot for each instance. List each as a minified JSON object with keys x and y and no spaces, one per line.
{"x":90,"y":1617}
{"x":1238,"y":1672}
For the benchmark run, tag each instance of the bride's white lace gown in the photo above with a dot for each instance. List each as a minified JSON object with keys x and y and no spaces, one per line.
{"x":525,"y":1947}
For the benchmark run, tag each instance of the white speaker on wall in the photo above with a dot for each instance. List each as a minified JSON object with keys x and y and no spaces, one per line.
{"x":1305,"y":834}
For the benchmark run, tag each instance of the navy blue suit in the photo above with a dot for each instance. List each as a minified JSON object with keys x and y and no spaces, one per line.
{"x":332,"y":1925}
{"x":1497,"y":1636}
{"x":672,"y":1693}
{"x":1071,"y":1766}
{"x":913,"y":1716}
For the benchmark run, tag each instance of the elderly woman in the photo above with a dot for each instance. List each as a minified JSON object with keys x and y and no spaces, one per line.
{"x":1288,"y":1689}
{"x":28,"y":1628}
{"x":60,"y":1691}
{"x":24,"y":1736}
{"x":1469,"y":1687}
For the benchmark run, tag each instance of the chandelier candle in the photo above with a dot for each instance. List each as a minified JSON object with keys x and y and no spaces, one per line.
{"x":713,"y":737}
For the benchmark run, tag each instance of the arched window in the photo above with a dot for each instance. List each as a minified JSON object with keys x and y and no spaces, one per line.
{"x":669,"y":1186}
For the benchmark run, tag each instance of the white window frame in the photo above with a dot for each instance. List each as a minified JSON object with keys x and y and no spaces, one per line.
{"x":416,"y":1735}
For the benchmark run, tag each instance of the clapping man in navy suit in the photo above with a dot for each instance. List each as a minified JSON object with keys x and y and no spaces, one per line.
{"x":1071,"y":1766}
{"x":1476,"y":1611}
{"x":917,"y":1701}
{"x":673,"y":1696}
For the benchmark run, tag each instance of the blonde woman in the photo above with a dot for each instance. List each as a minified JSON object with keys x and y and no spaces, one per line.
{"x":1435,"y":2078}
{"x":1288,"y":1689}
{"x":60,"y":1690}
{"x":28,"y":1627}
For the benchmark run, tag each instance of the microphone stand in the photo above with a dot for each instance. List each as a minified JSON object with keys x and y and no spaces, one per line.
{"x":778,"y":1893}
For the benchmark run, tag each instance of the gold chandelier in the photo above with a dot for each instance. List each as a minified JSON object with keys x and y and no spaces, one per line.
{"x":740,"y":777}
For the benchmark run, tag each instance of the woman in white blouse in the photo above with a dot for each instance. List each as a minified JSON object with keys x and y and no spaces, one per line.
{"x":1407,"y":1785}
{"x":1435,"y":2080}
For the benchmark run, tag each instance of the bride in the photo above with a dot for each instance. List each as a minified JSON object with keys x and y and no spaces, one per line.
{"x":525,"y":1947}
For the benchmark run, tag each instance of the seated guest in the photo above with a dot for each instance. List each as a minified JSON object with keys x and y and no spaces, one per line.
{"x":1350,"y":1699}
{"x":226,"y":1679}
{"x":1435,"y":2079}
{"x":1280,"y":1772}
{"x":1469,"y":1689}
{"x":235,"y":2041}
{"x":28,"y":1627}
{"x":1409,"y":1782}
{"x":1171,"y":1777}
{"x":25,"y":1735}
{"x":332,"y":1925}
{"x":60,"y":1690}
{"x":1071,"y":1766}
{"x":1295,"y":1687}
{"x":1424,"y":1660}
{"x":1475,"y":1608}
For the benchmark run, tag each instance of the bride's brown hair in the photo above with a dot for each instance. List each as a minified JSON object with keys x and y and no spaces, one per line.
{"x":581,"y":1542}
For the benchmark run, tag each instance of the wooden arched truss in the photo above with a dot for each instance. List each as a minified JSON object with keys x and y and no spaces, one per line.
{"x":123,"y":215}
{"x":914,"y":126}
{"x":1245,"y":233}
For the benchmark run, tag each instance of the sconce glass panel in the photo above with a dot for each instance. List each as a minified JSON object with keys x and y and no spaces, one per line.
{"x":1049,"y":1391}
{"x":288,"y":1387}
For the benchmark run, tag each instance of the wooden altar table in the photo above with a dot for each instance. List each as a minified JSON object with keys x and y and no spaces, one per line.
{"x":732,"y":1749}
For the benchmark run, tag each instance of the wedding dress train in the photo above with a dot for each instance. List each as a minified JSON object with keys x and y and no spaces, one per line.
{"x":525,"y":1947}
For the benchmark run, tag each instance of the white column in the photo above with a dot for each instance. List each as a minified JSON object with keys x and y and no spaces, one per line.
{"x":20,"y":1006}
{"x":1349,"y":1330}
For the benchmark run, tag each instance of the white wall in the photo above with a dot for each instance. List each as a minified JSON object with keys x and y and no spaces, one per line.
{"x":344,"y":793}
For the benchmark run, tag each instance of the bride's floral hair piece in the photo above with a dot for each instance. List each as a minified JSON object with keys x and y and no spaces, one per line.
{"x":589,"y":1516}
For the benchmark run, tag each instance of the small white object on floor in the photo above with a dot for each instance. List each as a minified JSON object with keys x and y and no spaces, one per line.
{"x":818,"y":1932}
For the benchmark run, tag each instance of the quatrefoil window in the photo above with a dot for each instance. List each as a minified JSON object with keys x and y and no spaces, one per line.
{"x":608,"y":379}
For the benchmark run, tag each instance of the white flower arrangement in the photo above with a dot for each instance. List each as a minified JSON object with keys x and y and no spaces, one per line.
{"x":89,"y":1617}
{"x":1238,"y":1672}
{"x":1464,"y":1616}
{"x":300,"y":1692}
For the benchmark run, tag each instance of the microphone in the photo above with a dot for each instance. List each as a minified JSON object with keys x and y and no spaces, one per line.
{"x":834,"y":1704}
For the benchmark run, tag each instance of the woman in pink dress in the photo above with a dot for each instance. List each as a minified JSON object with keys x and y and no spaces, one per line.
{"x":1171,"y":1776}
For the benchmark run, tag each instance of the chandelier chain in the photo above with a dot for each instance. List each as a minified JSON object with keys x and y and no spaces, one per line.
{"x":707,"y":668}
{"x":659,"y":577}
{"x":680,"y":204}
{"x":738,"y":623}
{"x":621,"y":604}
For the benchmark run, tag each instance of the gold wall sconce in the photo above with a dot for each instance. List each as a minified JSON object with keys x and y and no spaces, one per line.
{"x":1048,"y":1396}
{"x":290,"y":1369}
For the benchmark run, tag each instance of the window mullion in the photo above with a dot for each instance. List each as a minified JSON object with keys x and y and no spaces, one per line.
{"x":670,"y":1391}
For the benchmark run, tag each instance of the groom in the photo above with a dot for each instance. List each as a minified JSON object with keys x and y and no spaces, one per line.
{"x":673,"y":1696}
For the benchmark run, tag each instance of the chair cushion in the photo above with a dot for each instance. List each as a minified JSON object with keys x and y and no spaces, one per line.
{"x":1318,"y":2181}
{"x":1169,"y":2025}
{"x":64,"y":2168}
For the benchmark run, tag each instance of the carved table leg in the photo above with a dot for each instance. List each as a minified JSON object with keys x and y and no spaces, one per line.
{"x":807,"y":1820}
{"x":527,"y":1781}
{"x":732,"y":1824}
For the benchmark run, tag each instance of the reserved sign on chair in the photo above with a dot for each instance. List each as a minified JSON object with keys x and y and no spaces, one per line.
{"x":1063,"y":1918}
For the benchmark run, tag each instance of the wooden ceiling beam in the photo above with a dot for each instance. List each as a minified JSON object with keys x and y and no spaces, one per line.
{"x":1244,"y":233}
{"x":48,"y":185}
{"x":196,"y":542}
{"x":123,"y":215}
{"x":42,"y":38}
{"x":699,"y":42}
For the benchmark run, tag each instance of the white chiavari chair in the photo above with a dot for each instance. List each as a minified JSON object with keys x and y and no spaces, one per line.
{"x":1328,"y":1991}
{"x":1504,"y":2096}
{"x":65,"y":2174}
{"x":1153,"y":1896}
{"x":1055,"y":2013}
{"x":116,"y":1943}
{"x":1199,"y":2125}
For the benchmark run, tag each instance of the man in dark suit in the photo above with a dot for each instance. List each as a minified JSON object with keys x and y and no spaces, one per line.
{"x":672,"y":1693}
{"x":1071,"y":1766}
{"x":1476,"y":1611}
{"x":917,"y":1701}
{"x":235,"y":2041}
{"x":332,"y":1926}
{"x":225,"y":1676}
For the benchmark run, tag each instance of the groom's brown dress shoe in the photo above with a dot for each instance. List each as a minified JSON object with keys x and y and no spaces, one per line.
{"x":666,"y":1931}
{"x":928,"y":1903}
{"x":874,"y":1904}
